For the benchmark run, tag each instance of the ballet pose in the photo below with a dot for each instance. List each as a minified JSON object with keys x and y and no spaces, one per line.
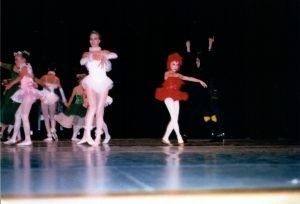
{"x":170,"y":93}
{"x":26,"y":95}
{"x":96,"y":84}
{"x":8,"y":106}
{"x":49,"y":101}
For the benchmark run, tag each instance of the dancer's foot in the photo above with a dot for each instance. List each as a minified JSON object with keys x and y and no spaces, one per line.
{"x":166,"y":141}
{"x":97,"y":141}
{"x":74,"y":139}
{"x":180,"y":142}
{"x":10,"y":142}
{"x":107,"y":139}
{"x":82,"y":141}
{"x":98,"y":137}
{"x":48,"y":139}
{"x":54,"y":135}
{"x":25,"y":143}
{"x":91,"y":142}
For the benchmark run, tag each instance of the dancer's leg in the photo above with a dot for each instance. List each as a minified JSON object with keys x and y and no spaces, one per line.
{"x":25,"y":110}
{"x":3,"y":127}
{"x":89,"y":117}
{"x":107,"y":135}
{"x":75,"y":132}
{"x":52,"y":108}
{"x":45,"y":112}
{"x":100,"y":114}
{"x":17,"y":126}
{"x":173,"y":108}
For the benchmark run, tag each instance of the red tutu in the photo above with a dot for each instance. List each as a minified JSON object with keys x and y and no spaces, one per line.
{"x":171,"y":89}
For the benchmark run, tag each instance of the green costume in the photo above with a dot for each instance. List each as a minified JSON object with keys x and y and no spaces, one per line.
{"x":76,"y":108}
{"x":8,"y":106}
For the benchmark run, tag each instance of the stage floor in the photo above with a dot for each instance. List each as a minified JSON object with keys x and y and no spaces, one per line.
{"x":65,"y":168}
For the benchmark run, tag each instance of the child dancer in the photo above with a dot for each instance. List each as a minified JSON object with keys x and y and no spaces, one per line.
{"x":49,"y":101}
{"x":74,"y":115}
{"x":170,"y":93}
{"x":96,"y":85}
{"x":26,"y":96}
{"x":8,"y":106}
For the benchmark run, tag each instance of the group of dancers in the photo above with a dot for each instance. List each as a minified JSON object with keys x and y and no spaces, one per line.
{"x":85,"y":108}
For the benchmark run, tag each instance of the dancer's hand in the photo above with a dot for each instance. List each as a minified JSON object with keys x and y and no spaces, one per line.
{"x":66,"y":104}
{"x":7,"y":87}
{"x":203,"y":84}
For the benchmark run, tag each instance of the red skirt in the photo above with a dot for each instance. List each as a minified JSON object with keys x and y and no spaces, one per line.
{"x":177,"y":95}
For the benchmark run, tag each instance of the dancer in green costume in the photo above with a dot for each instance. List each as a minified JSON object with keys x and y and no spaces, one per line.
{"x":8,"y":106}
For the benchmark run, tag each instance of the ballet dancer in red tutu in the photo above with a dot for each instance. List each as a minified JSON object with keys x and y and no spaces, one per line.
{"x":170,"y":93}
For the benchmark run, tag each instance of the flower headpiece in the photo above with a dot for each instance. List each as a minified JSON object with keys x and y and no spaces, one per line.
{"x":21,"y":53}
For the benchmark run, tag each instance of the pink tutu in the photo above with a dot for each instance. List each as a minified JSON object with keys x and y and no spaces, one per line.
{"x":27,"y":90}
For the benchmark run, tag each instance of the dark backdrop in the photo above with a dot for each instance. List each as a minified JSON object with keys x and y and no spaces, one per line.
{"x":257,"y":48}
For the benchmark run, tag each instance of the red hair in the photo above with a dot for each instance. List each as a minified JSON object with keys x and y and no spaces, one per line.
{"x":174,"y":57}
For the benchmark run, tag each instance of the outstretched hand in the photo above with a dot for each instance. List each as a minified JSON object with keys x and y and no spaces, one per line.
{"x":203,"y":84}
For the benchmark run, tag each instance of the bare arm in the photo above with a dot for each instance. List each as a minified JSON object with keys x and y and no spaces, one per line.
{"x":110,"y":55}
{"x":71,"y":98}
{"x":41,"y":82}
{"x":193,"y":79}
{"x":17,"y":80}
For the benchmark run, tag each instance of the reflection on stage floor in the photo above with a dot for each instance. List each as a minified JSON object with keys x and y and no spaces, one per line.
{"x":64,"y":167}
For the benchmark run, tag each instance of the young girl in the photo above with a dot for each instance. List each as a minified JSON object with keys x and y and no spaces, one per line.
{"x":170,"y":93}
{"x":74,"y":115}
{"x":96,"y":85}
{"x":49,"y":101}
{"x":26,"y":96}
{"x":8,"y":106}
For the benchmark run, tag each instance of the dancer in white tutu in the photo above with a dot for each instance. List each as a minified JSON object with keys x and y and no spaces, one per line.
{"x":26,"y":96}
{"x":96,"y":85}
{"x":49,"y":101}
{"x":77,"y":105}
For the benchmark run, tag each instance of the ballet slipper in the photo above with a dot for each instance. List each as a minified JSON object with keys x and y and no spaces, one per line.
{"x":49,"y":139}
{"x":83,"y":140}
{"x":180,"y":142}
{"x":91,"y":142}
{"x":107,"y":139}
{"x":74,"y":139}
{"x":98,"y":137}
{"x":166,"y":141}
{"x":10,"y":142}
{"x":25,"y":143}
{"x":54,"y":135}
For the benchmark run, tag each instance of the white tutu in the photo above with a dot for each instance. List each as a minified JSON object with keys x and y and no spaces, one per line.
{"x":49,"y":97}
{"x":97,"y":78}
